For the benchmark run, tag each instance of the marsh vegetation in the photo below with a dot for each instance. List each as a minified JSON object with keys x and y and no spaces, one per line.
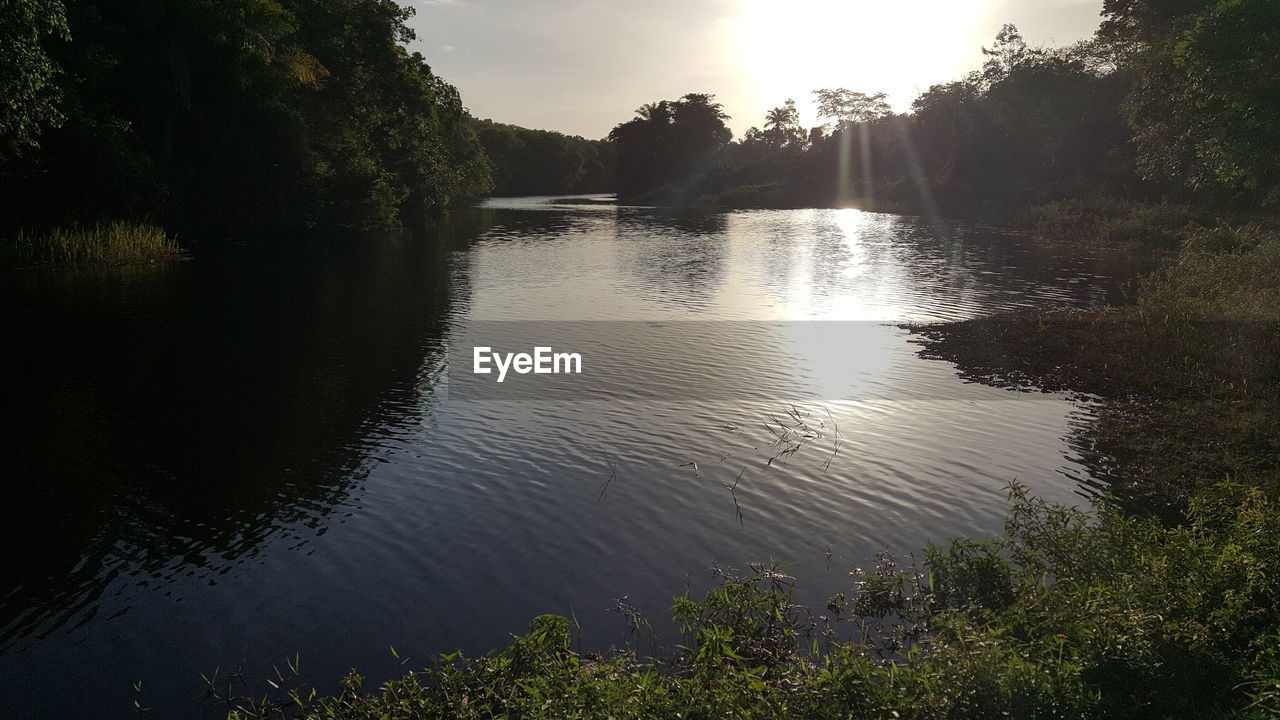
{"x":109,"y":243}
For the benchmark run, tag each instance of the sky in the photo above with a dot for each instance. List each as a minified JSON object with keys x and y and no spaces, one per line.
{"x":583,"y":66}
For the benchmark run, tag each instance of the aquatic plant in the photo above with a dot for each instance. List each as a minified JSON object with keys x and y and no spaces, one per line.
{"x":108,"y":243}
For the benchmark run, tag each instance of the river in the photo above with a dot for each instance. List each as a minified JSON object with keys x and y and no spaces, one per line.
{"x":269,"y":450}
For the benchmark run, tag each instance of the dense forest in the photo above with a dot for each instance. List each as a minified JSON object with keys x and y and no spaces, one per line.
{"x":216,"y":117}
{"x":221,"y":118}
{"x":544,"y":162}
{"x":1171,"y":99}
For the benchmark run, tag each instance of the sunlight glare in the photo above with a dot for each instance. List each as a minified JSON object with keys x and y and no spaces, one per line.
{"x":899,"y":47}
{"x":850,"y":222}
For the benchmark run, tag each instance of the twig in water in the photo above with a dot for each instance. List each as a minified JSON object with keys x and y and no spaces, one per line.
{"x":613,"y":472}
{"x":733,"y":491}
{"x":793,"y":436}
{"x":837,"y":439}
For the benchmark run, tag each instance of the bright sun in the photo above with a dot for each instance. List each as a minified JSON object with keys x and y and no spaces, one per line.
{"x":900,"y":47}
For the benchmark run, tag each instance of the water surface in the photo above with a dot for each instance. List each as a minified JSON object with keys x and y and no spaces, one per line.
{"x":256,"y":453}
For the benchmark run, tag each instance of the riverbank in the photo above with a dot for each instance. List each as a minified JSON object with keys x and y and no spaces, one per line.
{"x":1188,"y":376}
{"x":1163,"y":605}
{"x":1097,"y":221}
{"x":1067,"y":616}
{"x":106,"y":243}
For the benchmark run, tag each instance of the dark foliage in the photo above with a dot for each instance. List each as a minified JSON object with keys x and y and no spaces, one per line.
{"x":543,"y":162}
{"x":221,"y":117}
{"x":671,"y":145}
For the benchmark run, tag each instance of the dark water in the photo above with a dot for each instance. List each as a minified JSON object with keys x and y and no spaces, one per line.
{"x":254,"y":454}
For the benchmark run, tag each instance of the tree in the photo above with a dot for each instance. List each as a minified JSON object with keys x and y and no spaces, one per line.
{"x":1172,"y":99}
{"x":220,"y":117}
{"x":1009,"y":52}
{"x":542,"y":162}
{"x":1144,"y":23}
{"x":1033,"y":126}
{"x":782,"y":126}
{"x":670,"y":142}
{"x":1204,"y":106}
{"x":846,"y":107}
{"x":657,"y":112}
{"x":27,"y":73}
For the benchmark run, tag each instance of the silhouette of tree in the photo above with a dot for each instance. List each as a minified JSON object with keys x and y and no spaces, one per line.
{"x":1009,"y":52}
{"x":846,"y":107}
{"x":659,"y":112}
{"x":541,"y":162}
{"x":782,"y":126}
{"x":217,"y":117}
{"x":668,"y":142}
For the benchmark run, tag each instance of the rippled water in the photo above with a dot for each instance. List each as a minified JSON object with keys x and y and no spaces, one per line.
{"x":260,"y":452}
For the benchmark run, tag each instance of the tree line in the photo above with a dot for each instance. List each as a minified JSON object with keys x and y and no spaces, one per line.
{"x":220,"y":116}
{"x":1171,"y":99}
{"x":544,"y":162}
{"x":217,"y":117}
{"x":228,"y":115}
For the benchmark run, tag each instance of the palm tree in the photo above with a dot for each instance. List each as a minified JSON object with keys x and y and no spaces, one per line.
{"x":655,"y":111}
{"x":782,"y":125}
{"x":781,"y":118}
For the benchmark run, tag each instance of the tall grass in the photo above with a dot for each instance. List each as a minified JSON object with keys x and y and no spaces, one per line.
{"x":1225,"y":272}
{"x":104,"y":243}
{"x":1111,"y":222}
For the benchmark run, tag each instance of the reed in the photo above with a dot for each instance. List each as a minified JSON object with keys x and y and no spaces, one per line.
{"x":105,"y":243}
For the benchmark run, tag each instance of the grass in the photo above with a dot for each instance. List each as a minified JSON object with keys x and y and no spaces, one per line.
{"x":1225,"y":272}
{"x":1165,"y":604}
{"x":105,"y":243}
{"x":1108,"y":222}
